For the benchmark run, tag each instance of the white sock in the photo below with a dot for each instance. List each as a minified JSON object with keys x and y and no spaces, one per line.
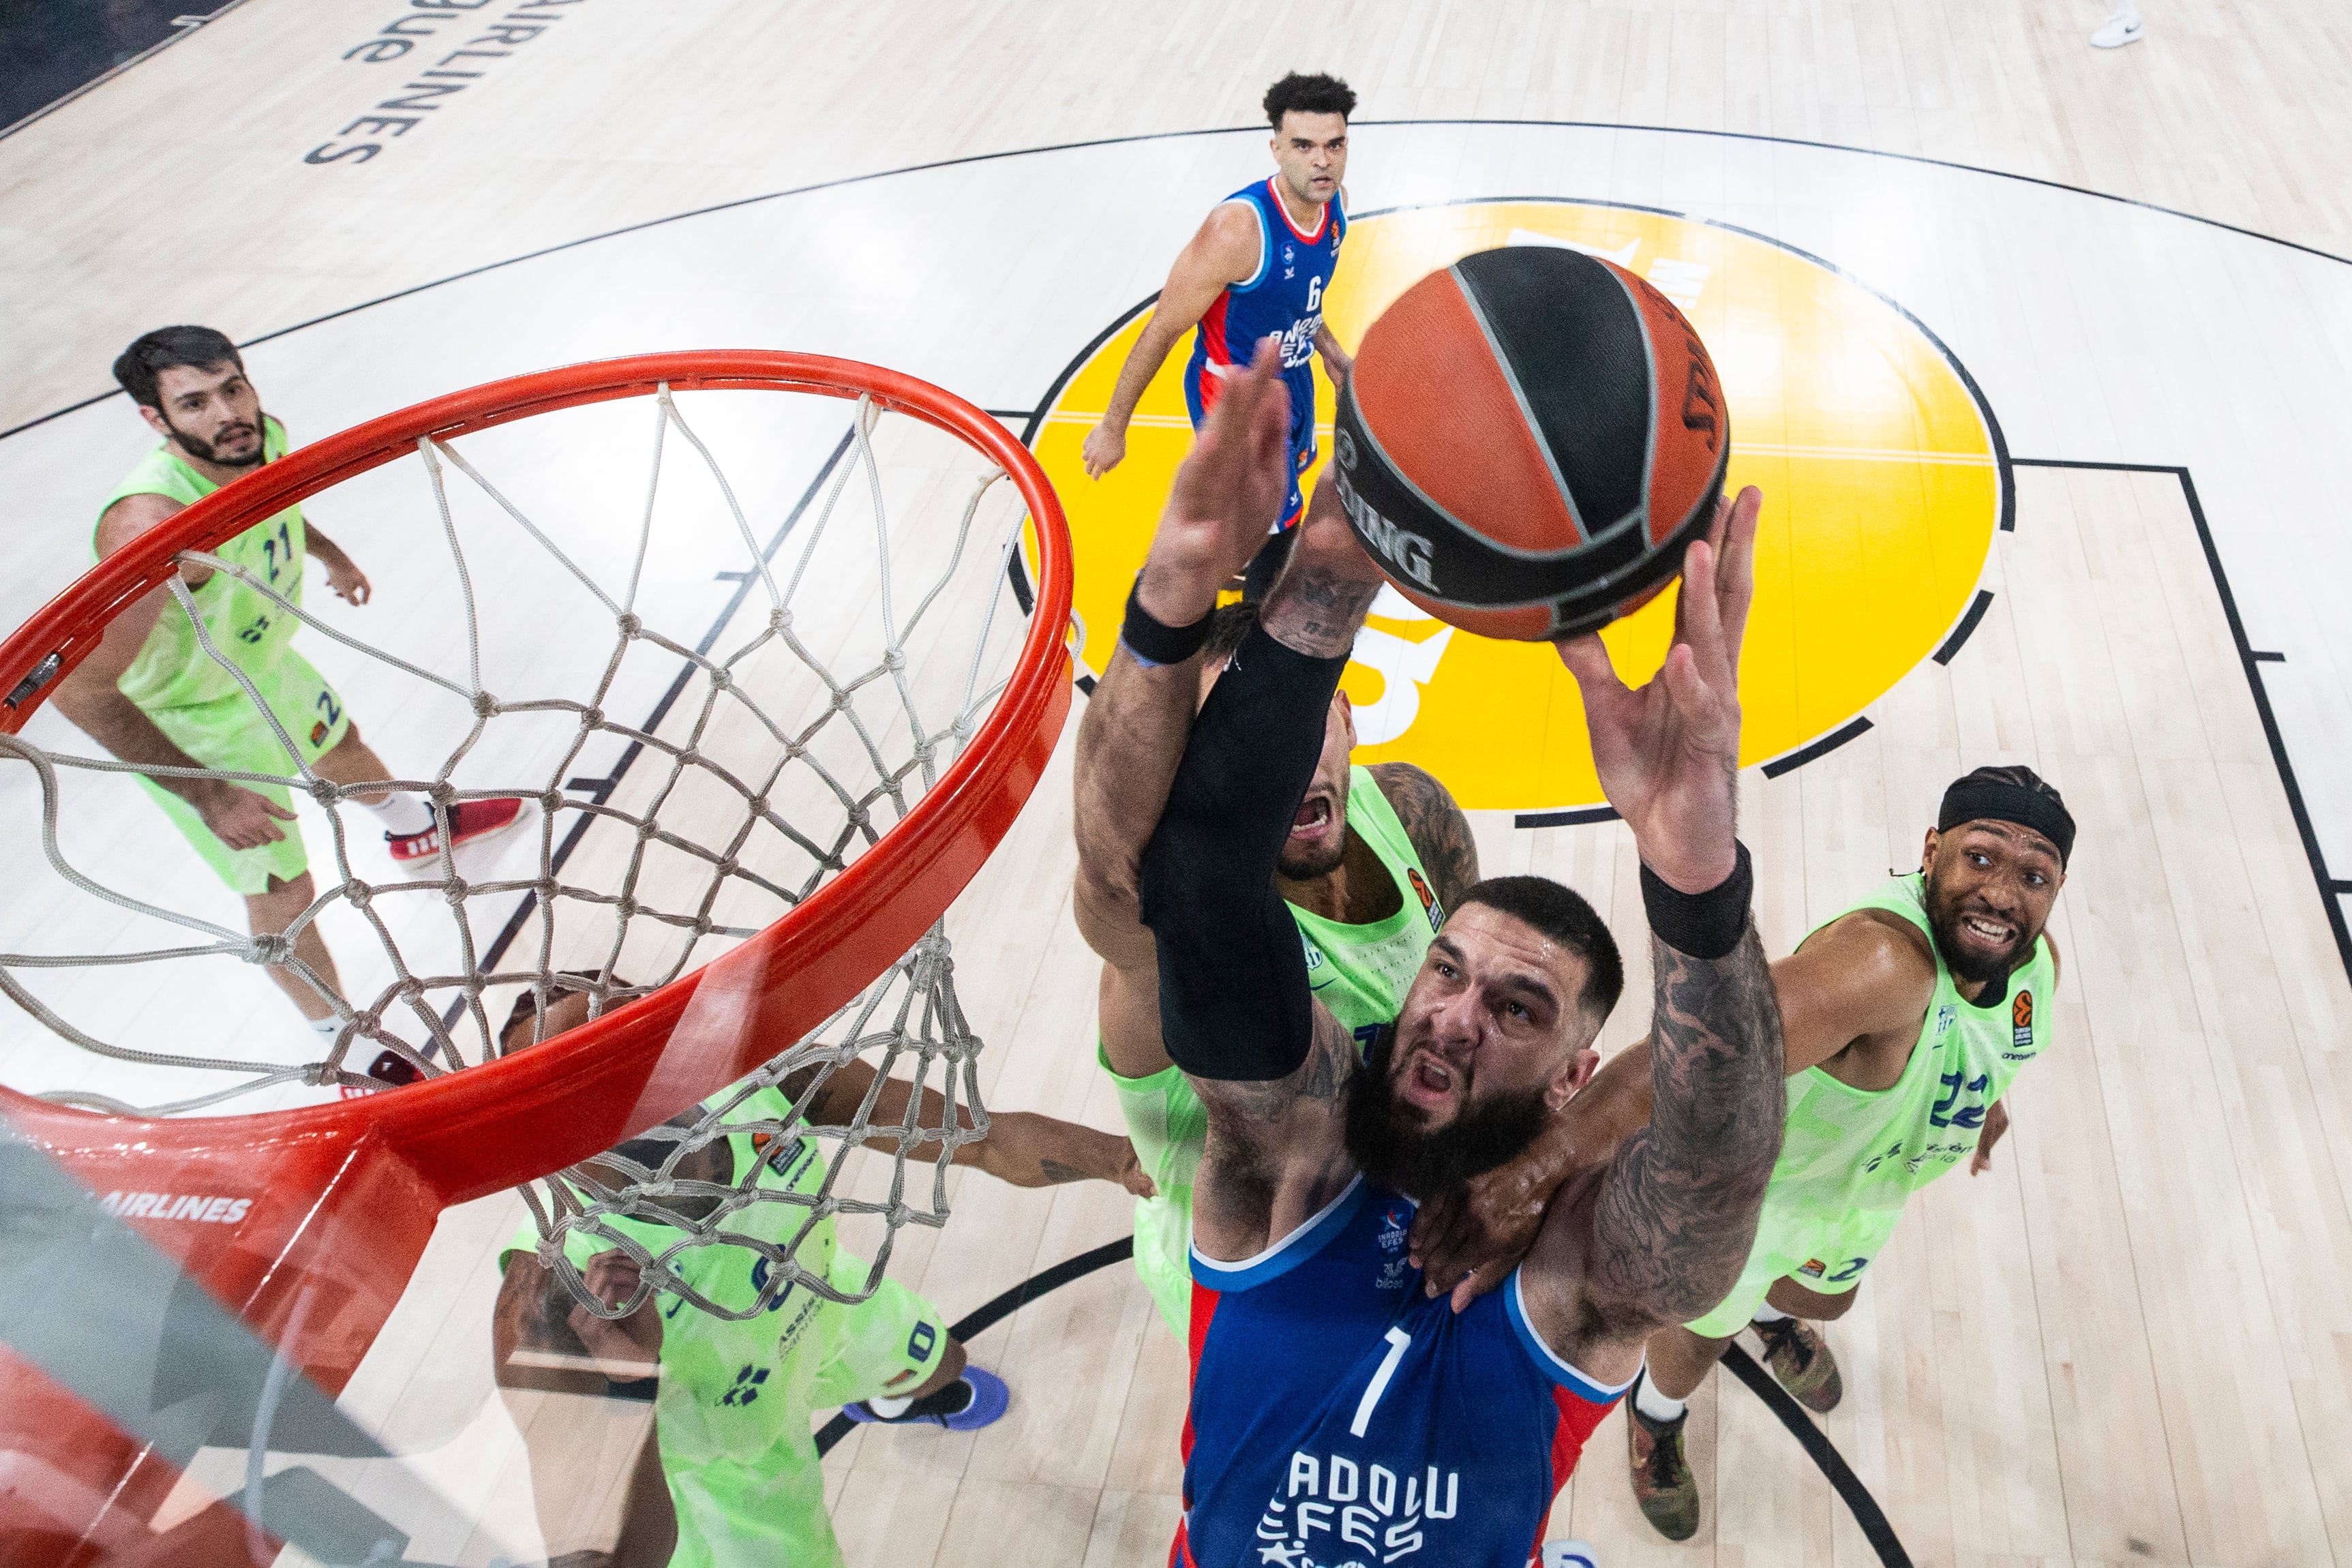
{"x":1768,"y":1313}
{"x":888,"y":1408}
{"x":1653,"y":1405}
{"x":402,"y":813}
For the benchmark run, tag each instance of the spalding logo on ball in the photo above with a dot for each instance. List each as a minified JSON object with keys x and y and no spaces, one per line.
{"x":1529,"y":440}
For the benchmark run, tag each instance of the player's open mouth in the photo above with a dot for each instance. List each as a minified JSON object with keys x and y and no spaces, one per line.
{"x":1314,"y":816}
{"x":1995,"y":935}
{"x":1429,"y":1082}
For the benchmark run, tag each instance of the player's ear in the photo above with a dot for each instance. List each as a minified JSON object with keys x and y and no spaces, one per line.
{"x":155,"y":420}
{"x":1928,"y":850}
{"x":1567,"y":1083}
{"x":1347,"y":712}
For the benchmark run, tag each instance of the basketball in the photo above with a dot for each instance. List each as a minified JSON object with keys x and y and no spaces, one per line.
{"x":1530,"y":439}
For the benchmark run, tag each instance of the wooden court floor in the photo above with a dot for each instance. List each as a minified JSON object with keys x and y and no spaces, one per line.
{"x":2129,"y":1342}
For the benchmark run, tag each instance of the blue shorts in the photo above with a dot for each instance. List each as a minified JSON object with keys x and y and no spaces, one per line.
{"x":1200,"y":388}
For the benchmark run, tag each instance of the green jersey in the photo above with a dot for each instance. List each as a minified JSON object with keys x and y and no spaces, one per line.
{"x":172,"y":670}
{"x":1361,"y":972}
{"x":1851,"y":1158}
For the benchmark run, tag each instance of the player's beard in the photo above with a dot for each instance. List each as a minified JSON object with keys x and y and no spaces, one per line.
{"x":204,"y":452}
{"x":1423,"y":1165}
{"x":1971,"y":967}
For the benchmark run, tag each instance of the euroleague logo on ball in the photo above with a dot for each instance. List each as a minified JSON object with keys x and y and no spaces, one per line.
{"x":1881,"y":491}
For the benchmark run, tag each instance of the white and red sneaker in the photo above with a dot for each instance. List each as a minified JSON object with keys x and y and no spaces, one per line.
{"x":469,"y":820}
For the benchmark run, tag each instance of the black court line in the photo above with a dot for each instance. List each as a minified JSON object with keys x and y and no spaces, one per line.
{"x":1977,"y":607}
{"x":1867,"y":1514}
{"x":983,"y":1318}
{"x":1853,"y":729}
{"x":2251,"y":662}
{"x":1574,"y":818}
{"x":1212,"y":130}
{"x":600,"y":789}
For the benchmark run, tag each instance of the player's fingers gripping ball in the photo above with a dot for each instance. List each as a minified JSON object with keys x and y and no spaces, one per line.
{"x":1529,"y":439}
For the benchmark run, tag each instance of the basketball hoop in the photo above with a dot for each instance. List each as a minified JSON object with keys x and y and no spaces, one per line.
{"x":945,"y":727}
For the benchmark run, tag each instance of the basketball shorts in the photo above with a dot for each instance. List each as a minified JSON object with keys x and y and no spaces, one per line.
{"x":1823,"y":1252}
{"x":1168,"y":1126}
{"x":769,"y":1509}
{"x":1200,"y":386}
{"x":229,"y":734}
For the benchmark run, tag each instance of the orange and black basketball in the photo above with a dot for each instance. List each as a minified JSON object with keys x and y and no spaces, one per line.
{"x":1529,"y":440}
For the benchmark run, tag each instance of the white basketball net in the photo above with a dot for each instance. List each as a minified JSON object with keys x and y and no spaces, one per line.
{"x":771,"y":766}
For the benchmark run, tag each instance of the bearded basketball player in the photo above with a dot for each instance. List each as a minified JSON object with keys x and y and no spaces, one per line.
{"x":1374,"y":859}
{"x":1336,"y":1412}
{"x":1258,"y":267}
{"x":150,"y":692}
{"x":1907,"y":1018}
{"x":738,"y":1483}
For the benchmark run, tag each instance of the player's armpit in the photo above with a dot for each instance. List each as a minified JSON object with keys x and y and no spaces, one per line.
{"x":1660,"y":1237}
{"x":1439,"y":833}
{"x":1276,"y":1148}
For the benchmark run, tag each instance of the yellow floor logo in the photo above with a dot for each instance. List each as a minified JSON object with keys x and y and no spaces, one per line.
{"x":1881,"y":495}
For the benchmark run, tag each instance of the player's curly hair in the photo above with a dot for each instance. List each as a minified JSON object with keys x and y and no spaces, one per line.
{"x":198,"y":347}
{"x":1316,"y":94}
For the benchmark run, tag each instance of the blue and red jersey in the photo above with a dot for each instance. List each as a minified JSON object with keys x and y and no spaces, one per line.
{"x":1339,"y":1416}
{"x":1284,"y":299}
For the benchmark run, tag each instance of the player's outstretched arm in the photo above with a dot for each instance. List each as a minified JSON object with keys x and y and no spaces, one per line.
{"x":1662,"y":1235}
{"x":1135,"y":724}
{"x":1023,"y":1147}
{"x":1224,"y":251}
{"x":1270,"y":1064}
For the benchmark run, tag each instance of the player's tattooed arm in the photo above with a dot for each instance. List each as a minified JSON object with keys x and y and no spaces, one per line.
{"x":1439,"y":833}
{"x":1320,"y":603}
{"x":1665,"y":1231}
{"x":1276,"y":1149}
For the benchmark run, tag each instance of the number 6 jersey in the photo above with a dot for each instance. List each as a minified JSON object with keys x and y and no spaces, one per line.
{"x":1340,"y":1417}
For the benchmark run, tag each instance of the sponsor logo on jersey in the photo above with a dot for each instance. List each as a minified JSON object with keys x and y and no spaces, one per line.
{"x":1336,"y":1512}
{"x":202,"y":1207}
{"x":318,"y":732}
{"x":1814,"y":1268}
{"x":1945,"y":1016}
{"x":2021,"y":1017}
{"x":1393,"y":1229}
{"x":1428,"y":900}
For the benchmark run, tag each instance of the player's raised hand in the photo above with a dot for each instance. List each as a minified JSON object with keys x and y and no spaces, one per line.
{"x":1226,"y":494}
{"x":1668,"y":751}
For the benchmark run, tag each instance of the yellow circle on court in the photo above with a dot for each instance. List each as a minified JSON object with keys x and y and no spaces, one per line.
{"x":1881,"y":496}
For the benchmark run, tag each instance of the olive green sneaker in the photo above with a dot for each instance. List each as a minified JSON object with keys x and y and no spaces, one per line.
{"x":1663,"y":1483}
{"x":1799,"y":1358}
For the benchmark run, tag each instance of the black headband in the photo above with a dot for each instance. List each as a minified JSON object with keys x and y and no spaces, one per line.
{"x":1975,"y":799}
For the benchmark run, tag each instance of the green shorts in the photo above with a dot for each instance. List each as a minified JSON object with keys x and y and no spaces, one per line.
{"x":229,"y":734}
{"x":1170,"y":1128}
{"x":769,"y":1510}
{"x":1825,"y":1253}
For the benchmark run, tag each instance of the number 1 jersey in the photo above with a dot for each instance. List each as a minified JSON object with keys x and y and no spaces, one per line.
{"x":1340,"y":1417}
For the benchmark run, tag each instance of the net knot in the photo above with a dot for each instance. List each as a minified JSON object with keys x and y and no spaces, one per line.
{"x":780,"y":619}
{"x":485,"y":705}
{"x":454,"y":890}
{"x":443,"y":793}
{"x":268,"y":947}
{"x":551,"y":799}
{"x":625,"y":906}
{"x":895,"y":660}
{"x":647,"y":829}
{"x":757,"y":806}
{"x":722,"y":678}
{"x":324,"y":790}
{"x":630,"y":623}
{"x":591,"y":718}
{"x":358,"y":893}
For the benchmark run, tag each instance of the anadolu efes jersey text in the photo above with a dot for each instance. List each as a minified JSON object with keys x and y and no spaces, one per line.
{"x":1341,"y":1419}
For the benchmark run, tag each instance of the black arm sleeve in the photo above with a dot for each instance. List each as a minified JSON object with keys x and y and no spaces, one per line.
{"x":1234,"y":1003}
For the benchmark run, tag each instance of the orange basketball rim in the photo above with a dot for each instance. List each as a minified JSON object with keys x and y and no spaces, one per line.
{"x":338,"y":1201}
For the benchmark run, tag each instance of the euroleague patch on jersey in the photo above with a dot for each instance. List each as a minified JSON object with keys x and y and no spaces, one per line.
{"x":1814,"y":1268}
{"x":1429,"y":905}
{"x":2020,"y":1018}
